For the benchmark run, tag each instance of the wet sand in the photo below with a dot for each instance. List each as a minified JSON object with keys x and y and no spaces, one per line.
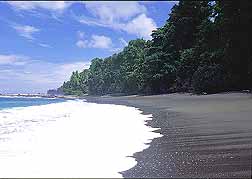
{"x":203,"y":136}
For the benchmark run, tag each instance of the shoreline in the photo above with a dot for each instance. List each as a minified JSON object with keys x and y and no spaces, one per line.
{"x":84,"y":135}
{"x":86,"y":96}
{"x":203,"y":135}
{"x":40,"y":96}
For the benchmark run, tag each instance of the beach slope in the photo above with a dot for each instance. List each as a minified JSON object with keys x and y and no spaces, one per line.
{"x":203,"y":136}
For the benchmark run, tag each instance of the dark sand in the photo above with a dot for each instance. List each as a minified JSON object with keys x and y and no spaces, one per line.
{"x":203,"y":136}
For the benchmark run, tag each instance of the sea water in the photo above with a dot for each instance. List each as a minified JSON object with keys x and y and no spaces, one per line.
{"x":69,"y":138}
{"x":12,"y":101}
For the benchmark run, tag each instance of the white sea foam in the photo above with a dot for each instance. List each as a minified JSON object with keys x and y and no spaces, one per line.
{"x":71,"y":139}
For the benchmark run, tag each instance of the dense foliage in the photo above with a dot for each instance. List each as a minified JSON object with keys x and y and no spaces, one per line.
{"x":77,"y":85}
{"x":204,"y":46}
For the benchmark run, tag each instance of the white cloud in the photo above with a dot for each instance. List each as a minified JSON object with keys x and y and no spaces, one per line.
{"x":82,"y":43}
{"x":126,"y":16}
{"x":44,"y":45}
{"x":26,"y":31}
{"x":80,"y":34}
{"x":93,"y":21}
{"x":114,"y":11}
{"x":116,"y":15}
{"x":141,"y":25}
{"x":96,"y":41}
{"x":34,"y":75}
{"x":100,"y":41}
{"x":32,"y":5}
{"x":66,"y":70}
{"x":123,"y":42}
{"x":13,"y":60}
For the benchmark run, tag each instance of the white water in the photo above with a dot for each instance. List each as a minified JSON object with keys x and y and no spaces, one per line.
{"x":71,"y":139}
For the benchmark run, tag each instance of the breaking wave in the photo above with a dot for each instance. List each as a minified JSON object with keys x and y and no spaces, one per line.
{"x":71,"y":139}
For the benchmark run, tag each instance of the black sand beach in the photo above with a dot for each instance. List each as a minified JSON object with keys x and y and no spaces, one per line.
{"x":203,"y":136}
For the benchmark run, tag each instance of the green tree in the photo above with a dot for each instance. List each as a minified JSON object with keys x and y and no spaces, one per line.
{"x":234,"y":20}
{"x":203,"y":46}
{"x":95,"y":80}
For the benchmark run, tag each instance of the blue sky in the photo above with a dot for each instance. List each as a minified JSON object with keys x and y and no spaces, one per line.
{"x":43,"y":42}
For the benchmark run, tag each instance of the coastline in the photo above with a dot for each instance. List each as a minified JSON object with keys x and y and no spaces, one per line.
{"x":203,"y":136}
{"x":40,"y":96}
{"x":83,"y":135}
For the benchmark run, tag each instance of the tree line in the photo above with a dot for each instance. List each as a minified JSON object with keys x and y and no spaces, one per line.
{"x":204,"y":46}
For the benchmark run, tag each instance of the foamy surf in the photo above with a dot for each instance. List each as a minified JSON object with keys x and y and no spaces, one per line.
{"x":71,"y":139}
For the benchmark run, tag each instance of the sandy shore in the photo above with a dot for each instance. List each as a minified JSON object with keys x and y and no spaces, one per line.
{"x":203,"y":136}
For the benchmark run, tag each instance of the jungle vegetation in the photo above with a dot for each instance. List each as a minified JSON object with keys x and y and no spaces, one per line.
{"x":204,"y":46}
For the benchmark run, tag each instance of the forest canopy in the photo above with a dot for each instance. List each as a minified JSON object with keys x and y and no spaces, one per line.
{"x":204,"y":46}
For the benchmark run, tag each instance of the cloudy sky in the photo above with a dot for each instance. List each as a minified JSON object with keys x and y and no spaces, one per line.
{"x":43,"y":42}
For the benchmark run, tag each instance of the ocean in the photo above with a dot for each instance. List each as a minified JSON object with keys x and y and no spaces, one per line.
{"x":69,"y":138}
{"x":10,"y":102}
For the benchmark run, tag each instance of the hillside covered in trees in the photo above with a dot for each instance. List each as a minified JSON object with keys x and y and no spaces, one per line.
{"x":204,"y":46}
